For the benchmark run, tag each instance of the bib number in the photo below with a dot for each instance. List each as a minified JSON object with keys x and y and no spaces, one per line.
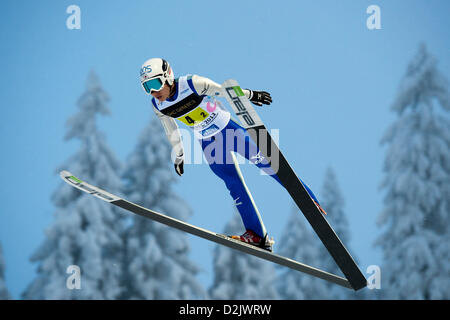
{"x":195,"y":116}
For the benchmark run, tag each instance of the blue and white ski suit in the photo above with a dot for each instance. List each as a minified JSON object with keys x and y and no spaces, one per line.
{"x":220,"y":136}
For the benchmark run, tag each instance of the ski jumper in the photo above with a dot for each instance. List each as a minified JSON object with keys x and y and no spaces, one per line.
{"x":195,"y":105}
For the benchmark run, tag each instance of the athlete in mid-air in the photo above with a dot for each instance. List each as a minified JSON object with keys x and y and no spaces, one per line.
{"x":191,"y":100}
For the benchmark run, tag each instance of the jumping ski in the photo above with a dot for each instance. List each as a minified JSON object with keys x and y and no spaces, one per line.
{"x":258,"y":132}
{"x":203,"y":233}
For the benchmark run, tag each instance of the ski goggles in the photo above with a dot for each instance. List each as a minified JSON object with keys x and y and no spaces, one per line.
{"x":154,"y":84}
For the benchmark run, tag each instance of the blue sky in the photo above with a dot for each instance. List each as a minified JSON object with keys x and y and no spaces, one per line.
{"x":332,"y":81}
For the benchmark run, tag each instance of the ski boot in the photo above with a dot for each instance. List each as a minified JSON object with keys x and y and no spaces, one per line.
{"x":252,"y":238}
{"x":319,"y":207}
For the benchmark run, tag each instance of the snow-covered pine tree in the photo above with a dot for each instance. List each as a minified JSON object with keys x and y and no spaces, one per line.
{"x":4,"y":293}
{"x":86,"y":231}
{"x":156,"y":263}
{"x":299,"y":242}
{"x":333,"y":202}
{"x":415,"y":239}
{"x":239,"y":276}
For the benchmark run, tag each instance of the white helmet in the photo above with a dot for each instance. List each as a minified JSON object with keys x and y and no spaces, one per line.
{"x":154,"y":74}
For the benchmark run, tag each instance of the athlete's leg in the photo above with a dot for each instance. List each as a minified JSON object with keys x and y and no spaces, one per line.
{"x":231,"y":175}
{"x":245,"y":146}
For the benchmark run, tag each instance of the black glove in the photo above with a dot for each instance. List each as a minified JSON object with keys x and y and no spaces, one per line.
{"x":179,"y":166}
{"x":260,"y":97}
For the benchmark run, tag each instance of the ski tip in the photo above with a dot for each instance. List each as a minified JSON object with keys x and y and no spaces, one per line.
{"x":64,"y":174}
{"x":68,"y":177}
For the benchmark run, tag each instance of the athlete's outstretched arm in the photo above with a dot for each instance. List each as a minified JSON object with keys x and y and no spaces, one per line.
{"x":205,"y":86}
